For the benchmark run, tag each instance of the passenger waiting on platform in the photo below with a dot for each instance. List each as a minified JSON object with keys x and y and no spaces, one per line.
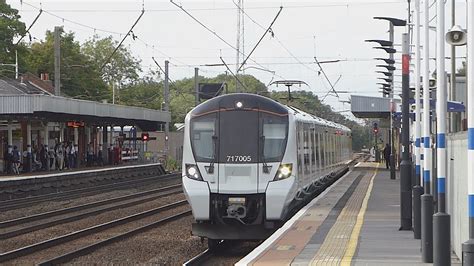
{"x":59,"y":156}
{"x":66,"y":155}
{"x":100,"y":159}
{"x":36,"y":159}
{"x":386,"y":155}
{"x":71,"y":156}
{"x":15,"y":160}
{"x":90,"y":154}
{"x":52,"y":159}
{"x":8,"y":161}
{"x":43,"y":157}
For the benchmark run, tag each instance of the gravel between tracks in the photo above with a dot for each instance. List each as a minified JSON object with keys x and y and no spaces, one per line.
{"x":51,"y":232}
{"x":170,"y":244}
{"x":87,"y":240}
{"x":60,"y":204}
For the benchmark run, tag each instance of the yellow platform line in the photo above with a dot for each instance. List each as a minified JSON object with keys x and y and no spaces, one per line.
{"x":354,"y":240}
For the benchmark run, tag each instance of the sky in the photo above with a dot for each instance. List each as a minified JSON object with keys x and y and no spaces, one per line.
{"x":327,"y":29}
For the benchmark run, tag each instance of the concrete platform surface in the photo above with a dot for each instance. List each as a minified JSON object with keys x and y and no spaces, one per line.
{"x":46,"y":174}
{"x":355,"y":222}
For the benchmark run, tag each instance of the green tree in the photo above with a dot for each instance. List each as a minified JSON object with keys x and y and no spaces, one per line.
{"x":10,"y":28}
{"x":79,"y":76}
{"x":146,"y":92}
{"x":122,"y":68}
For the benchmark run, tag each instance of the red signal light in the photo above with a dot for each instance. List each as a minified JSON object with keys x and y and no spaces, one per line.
{"x":145,"y":136}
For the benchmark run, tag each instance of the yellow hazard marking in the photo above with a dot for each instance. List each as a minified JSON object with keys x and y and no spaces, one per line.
{"x":354,"y":240}
{"x":285,"y":247}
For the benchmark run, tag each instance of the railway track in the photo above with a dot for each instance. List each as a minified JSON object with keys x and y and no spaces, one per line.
{"x":75,"y":213}
{"x":226,"y":253}
{"x":200,"y":259}
{"x":93,"y":230}
{"x":82,"y":192}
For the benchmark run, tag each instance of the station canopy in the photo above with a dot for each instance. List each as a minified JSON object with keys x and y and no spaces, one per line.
{"x":29,"y":99}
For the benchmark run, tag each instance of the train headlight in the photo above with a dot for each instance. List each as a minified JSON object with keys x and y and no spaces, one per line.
{"x":192,"y":172}
{"x":284,"y":171}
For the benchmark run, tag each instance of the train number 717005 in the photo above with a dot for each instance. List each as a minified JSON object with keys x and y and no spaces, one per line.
{"x":238,"y":158}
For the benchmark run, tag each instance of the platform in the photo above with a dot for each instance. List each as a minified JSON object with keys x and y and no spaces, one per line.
{"x":355,"y":222}
{"x":16,"y":186}
{"x":76,"y":171}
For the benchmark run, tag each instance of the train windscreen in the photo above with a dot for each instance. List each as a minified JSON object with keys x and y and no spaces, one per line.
{"x":274,"y":130}
{"x":242,"y":137}
{"x":203,"y":132}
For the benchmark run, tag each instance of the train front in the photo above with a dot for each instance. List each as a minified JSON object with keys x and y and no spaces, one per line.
{"x":237,"y":172}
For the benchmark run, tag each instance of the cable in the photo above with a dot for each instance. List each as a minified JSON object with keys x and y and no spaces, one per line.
{"x":269,"y":29}
{"x":171,"y":80}
{"x":287,"y":50}
{"x":71,"y":21}
{"x":232,"y":73}
{"x":31,"y":25}
{"x":327,"y":5}
{"x":276,"y":38}
{"x":120,"y":44}
{"x":324,"y":73}
{"x":215,"y":34}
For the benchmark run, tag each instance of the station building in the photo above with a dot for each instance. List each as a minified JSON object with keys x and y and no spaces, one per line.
{"x":35,"y":121}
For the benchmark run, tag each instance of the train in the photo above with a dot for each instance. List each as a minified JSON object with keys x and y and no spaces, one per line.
{"x":249,"y":160}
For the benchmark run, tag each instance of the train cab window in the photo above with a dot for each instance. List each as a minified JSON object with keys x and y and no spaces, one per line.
{"x":275,"y":133}
{"x":202,"y":131}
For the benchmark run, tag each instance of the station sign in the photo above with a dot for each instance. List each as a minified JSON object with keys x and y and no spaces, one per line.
{"x":75,"y":124}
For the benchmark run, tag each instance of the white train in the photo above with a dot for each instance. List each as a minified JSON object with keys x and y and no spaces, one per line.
{"x":248,"y":160}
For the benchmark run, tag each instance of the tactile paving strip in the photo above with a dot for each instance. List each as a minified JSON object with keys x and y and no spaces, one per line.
{"x":291,"y":243}
{"x":332,"y":250}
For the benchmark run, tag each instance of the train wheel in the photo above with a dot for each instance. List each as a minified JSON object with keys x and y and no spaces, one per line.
{"x":212,"y":243}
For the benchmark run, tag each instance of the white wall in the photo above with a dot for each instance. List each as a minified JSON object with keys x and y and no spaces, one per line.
{"x":457,"y":189}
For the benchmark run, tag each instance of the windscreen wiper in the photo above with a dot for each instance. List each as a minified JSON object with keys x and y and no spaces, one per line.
{"x":210,"y":168}
{"x":266,"y":168}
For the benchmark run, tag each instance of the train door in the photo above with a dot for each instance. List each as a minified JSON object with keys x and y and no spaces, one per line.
{"x":238,"y":151}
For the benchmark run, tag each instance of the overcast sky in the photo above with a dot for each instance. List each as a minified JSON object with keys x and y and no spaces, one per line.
{"x":329,"y":29}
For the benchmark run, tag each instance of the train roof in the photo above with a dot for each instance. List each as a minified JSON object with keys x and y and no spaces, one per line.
{"x":304,"y":116}
{"x":246,"y":100}
{"x":251,"y":101}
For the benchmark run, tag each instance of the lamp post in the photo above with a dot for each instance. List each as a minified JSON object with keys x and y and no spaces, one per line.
{"x":427,"y":197}
{"x":417,"y":189}
{"x":393,"y":22}
{"x":389,"y":91}
{"x":441,"y":220}
{"x":405,"y":165}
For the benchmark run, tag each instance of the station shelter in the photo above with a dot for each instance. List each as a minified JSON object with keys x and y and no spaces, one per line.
{"x":35,"y":124}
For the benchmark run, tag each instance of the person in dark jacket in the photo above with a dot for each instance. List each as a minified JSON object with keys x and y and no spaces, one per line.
{"x":386,"y":155}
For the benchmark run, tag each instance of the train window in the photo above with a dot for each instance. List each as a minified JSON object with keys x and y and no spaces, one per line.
{"x":307,"y":150}
{"x":319,"y":154}
{"x":275,"y":131}
{"x":299,"y":147}
{"x":313,"y":151}
{"x":202,"y":130}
